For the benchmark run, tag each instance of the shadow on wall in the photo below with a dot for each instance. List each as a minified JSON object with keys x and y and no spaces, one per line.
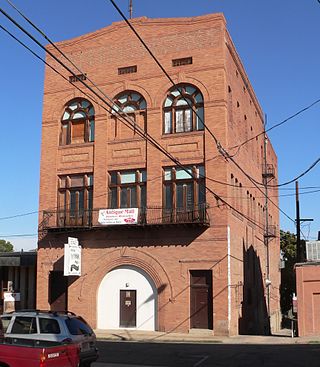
{"x":127,"y":236}
{"x":58,"y":287}
{"x":254,"y":320}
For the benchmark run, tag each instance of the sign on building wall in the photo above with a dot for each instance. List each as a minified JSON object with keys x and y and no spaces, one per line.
{"x":72,"y":257}
{"x":118,"y":216}
{"x":9,"y":301}
{"x":11,"y":297}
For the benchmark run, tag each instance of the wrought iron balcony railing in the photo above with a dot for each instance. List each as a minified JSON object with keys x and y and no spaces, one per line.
{"x":268,"y":171}
{"x":55,"y":219}
{"x":271,"y":231}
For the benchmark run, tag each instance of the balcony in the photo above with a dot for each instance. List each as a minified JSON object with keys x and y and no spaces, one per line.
{"x":271,"y":232}
{"x":150,"y":216}
{"x":268,"y":171}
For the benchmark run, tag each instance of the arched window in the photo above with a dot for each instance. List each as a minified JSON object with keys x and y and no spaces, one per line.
{"x":133,"y":104}
{"x":183,"y":110}
{"x":129,"y":101}
{"x":77,"y":123}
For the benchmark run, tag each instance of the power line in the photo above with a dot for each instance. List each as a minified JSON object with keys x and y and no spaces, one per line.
{"x":239,"y":146}
{"x":221,"y":150}
{"x":301,"y":175}
{"x":19,"y":235}
{"x":18,"y":215}
{"x":142,"y":134}
{"x":167,"y":75}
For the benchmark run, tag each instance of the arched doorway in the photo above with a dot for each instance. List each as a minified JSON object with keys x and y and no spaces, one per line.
{"x":127,"y":298}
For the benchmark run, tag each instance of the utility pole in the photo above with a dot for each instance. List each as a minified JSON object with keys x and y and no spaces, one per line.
{"x":130,"y":9}
{"x":299,"y":251}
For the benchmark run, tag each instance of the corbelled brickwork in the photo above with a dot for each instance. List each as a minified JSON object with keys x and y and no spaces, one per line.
{"x":233,"y":246}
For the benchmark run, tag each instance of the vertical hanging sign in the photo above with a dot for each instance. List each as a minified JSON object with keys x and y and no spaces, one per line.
{"x":72,"y":257}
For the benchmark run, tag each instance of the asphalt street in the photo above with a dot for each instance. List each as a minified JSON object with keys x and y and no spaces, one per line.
{"x":134,"y":354}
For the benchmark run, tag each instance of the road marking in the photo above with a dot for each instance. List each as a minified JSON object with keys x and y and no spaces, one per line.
{"x":204,"y":358}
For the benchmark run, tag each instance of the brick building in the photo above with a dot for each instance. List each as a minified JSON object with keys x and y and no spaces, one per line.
{"x":189,"y":261}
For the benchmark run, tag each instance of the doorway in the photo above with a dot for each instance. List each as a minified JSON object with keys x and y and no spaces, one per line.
{"x":118,"y":309}
{"x":201,"y":309}
{"x":58,"y":291}
{"x":128,"y":310}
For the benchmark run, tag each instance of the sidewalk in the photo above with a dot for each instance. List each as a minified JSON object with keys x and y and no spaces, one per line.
{"x":202,"y":336}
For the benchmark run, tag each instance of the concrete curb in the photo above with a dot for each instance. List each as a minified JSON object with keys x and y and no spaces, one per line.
{"x":284,"y":337}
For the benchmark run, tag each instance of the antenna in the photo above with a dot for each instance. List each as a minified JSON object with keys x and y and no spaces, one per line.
{"x":130,"y":9}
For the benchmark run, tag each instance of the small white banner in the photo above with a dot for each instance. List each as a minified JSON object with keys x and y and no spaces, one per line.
{"x":72,"y":259}
{"x":118,"y":216}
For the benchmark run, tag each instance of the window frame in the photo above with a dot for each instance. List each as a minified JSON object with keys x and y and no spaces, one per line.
{"x":196,"y":109}
{"x":66,"y":189}
{"x":69,"y":121}
{"x":137,"y":113}
{"x":117,"y":187}
{"x":197,"y":180}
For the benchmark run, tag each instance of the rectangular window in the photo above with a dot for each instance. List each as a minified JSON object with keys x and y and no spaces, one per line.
{"x":91,"y":130}
{"x":179,"y":121}
{"x":76,"y":78}
{"x":77,"y":135}
{"x":167,"y":122}
{"x":184,"y":192}
{"x":127,"y":70}
{"x":24,"y":325}
{"x":200,"y":119}
{"x":188,"y":120}
{"x":64,"y":134}
{"x":49,"y":326}
{"x":182,"y":61}
{"x":127,"y":189}
{"x":75,"y":200}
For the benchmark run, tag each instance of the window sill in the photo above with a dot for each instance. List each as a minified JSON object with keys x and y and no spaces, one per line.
{"x":78,"y":145}
{"x":172,"y":135}
{"x":117,"y":141}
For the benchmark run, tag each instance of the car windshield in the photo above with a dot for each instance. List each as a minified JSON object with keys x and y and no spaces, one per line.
{"x":78,"y":326}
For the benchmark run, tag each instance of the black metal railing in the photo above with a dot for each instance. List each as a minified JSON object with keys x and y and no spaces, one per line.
{"x":146,"y":216}
{"x":268,"y":171}
{"x":270,"y":231}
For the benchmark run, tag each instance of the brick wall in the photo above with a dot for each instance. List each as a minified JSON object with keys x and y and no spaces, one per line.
{"x":166,"y":254}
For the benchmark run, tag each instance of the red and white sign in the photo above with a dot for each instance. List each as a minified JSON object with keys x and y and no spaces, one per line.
{"x":118,"y":216}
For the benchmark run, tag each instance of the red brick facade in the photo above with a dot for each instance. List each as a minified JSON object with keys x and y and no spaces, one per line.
{"x":231,"y":248}
{"x":308,"y":298}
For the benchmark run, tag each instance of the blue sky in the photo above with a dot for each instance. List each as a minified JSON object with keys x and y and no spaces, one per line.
{"x":278,"y":42}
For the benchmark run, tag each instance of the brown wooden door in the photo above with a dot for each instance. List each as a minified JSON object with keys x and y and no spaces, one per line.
{"x":128,"y":311}
{"x":201,"y":299}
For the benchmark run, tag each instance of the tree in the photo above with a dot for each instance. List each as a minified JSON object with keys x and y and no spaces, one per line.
{"x":6,"y":246}
{"x":288,"y":245}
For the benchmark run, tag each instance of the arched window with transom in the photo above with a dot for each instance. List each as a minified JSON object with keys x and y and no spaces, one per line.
{"x":77,"y":123}
{"x":133,"y":104}
{"x":183,"y":110}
